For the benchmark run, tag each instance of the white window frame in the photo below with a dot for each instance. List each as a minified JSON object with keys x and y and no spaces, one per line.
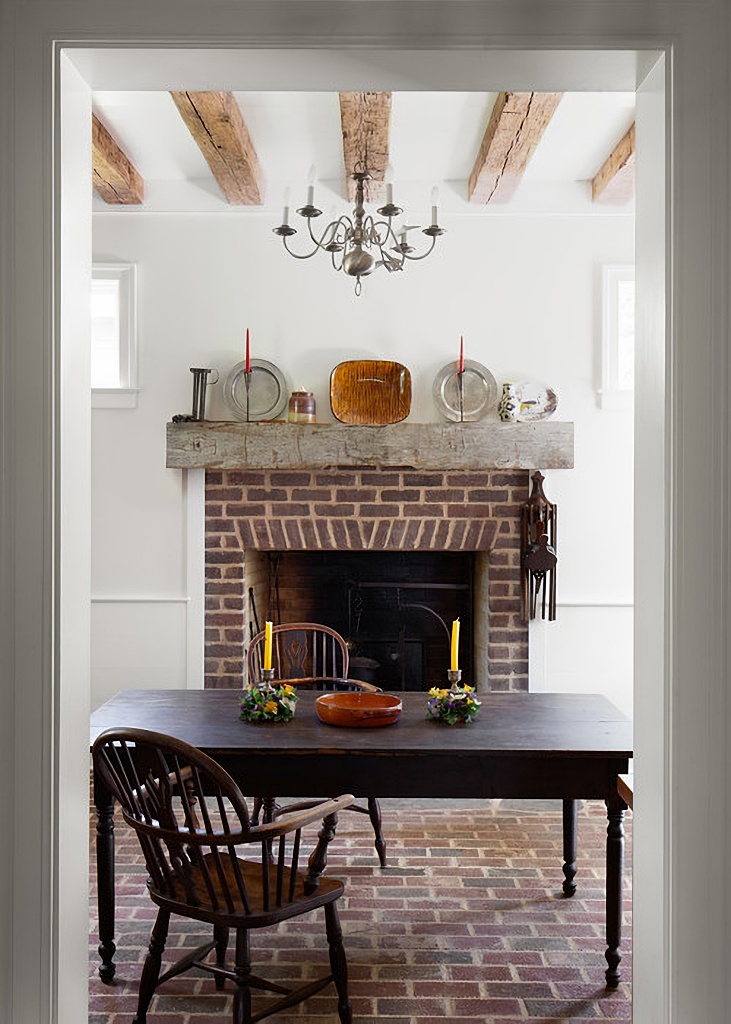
{"x":610,"y":395}
{"x":123,"y":396}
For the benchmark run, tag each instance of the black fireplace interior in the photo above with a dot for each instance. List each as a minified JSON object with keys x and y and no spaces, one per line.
{"x":394,"y":608}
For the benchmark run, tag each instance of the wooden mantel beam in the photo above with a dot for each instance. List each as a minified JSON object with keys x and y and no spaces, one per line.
{"x":614,"y":182}
{"x":365,"y":118}
{"x":229,"y":445}
{"x":517,"y":122}
{"x":114,"y":177}
{"x":219,"y":130}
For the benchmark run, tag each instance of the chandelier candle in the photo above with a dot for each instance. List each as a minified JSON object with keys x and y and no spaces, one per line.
{"x":311,"y":185}
{"x":434,"y":201}
{"x":389,"y":186}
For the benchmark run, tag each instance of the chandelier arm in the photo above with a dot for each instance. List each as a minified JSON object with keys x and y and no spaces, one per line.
{"x":332,"y":230}
{"x":423,"y":256}
{"x":297,"y":255}
{"x":389,"y":236}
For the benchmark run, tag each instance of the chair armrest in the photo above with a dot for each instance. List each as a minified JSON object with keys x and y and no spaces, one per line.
{"x":288,"y":821}
{"x":365,"y":687}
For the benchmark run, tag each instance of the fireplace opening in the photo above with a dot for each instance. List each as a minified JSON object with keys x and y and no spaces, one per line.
{"x":394,"y":608}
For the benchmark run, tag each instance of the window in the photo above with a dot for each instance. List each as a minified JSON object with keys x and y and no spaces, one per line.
{"x":618,"y":338}
{"x":113,"y":336}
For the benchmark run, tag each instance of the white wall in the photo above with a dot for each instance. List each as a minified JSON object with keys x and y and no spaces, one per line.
{"x":525,"y":293}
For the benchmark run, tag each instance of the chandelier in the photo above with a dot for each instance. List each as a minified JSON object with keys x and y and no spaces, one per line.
{"x":359,"y":244}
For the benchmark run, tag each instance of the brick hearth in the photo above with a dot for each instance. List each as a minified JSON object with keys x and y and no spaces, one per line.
{"x":364,"y":509}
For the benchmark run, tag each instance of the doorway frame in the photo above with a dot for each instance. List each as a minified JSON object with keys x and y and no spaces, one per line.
{"x":684,"y":778}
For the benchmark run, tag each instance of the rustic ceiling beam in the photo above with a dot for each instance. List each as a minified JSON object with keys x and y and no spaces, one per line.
{"x":219,"y":130}
{"x":114,"y":177}
{"x":517,"y":122}
{"x":614,"y":182}
{"x":365,"y":118}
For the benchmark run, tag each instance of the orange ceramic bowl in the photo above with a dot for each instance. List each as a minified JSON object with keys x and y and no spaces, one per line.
{"x":358,"y":709}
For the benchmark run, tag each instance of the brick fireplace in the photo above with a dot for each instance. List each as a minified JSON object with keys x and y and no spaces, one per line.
{"x":366,"y":509}
{"x":275,"y":490}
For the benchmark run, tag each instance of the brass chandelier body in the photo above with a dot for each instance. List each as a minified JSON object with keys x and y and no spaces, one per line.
{"x":359,"y":244}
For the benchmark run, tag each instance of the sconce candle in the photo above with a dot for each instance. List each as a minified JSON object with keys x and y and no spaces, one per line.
{"x":455,"y":646}
{"x":461,"y":355}
{"x":248,"y":354}
{"x":267,"y":646}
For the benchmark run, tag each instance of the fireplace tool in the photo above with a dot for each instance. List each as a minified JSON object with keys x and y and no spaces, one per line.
{"x":538,"y":519}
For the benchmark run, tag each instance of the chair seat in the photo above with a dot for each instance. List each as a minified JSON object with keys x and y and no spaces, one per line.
{"x":223,"y":895}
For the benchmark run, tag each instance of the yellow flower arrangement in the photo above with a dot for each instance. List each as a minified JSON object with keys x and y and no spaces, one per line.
{"x":454,"y":706}
{"x":268,"y":703}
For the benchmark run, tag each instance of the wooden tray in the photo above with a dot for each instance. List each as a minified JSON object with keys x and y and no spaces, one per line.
{"x":370,"y":391}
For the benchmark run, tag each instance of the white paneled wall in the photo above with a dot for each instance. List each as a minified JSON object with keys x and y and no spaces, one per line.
{"x":138,"y":643}
{"x":524,"y":292}
{"x":587,"y":649}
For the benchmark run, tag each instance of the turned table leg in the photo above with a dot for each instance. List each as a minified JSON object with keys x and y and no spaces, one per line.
{"x":615,"y":867}
{"x":569,"y":846}
{"x":104,"y":803}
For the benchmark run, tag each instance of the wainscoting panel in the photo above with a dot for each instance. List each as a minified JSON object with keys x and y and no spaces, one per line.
{"x":588,"y":649}
{"x":138,"y":643}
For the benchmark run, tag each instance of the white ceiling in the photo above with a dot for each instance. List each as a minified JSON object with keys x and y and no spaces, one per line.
{"x":435,"y":137}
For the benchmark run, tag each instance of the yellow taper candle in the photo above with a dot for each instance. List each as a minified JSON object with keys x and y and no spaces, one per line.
{"x":455,"y":646}
{"x":267,"y":645}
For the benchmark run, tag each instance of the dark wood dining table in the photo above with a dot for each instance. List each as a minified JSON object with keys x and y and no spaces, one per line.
{"x":561,"y":746}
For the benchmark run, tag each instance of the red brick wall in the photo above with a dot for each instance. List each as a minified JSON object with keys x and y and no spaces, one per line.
{"x":363,"y":509}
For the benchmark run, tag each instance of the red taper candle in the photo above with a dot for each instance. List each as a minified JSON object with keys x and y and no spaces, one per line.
{"x":248,"y":356}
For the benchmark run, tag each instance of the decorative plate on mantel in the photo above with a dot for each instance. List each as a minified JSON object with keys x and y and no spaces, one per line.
{"x":467,"y":399}
{"x":265,"y":396}
{"x":371,"y":392}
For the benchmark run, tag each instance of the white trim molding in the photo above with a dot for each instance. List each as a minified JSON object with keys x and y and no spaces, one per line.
{"x":682,"y":913}
{"x":617,"y":294}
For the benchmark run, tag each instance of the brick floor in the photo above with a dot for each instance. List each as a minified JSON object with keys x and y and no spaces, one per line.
{"x":468,"y":923}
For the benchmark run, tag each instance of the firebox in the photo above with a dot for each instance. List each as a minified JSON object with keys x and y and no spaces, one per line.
{"x":395,"y":609}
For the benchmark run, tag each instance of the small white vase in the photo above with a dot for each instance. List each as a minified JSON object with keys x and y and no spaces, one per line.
{"x":509,"y":404}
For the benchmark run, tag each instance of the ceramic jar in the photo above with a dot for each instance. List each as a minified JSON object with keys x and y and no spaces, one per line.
{"x":302,"y":407}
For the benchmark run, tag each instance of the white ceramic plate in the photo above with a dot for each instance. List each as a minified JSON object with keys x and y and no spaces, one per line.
{"x":535,"y":401}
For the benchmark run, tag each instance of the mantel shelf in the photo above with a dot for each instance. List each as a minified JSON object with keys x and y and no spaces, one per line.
{"x":493,"y":445}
